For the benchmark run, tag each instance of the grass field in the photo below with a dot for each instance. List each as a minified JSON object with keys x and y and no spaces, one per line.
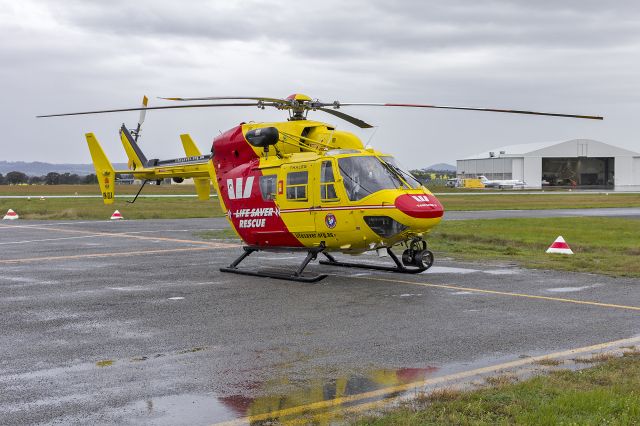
{"x":164,"y":208}
{"x":602,"y":245}
{"x":93,"y":208}
{"x":608,"y":393}
{"x":540,"y":200}
{"x":37,"y":190}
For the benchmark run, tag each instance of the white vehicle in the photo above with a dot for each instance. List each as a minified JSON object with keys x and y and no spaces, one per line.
{"x":512,"y":183}
{"x":452,"y":183}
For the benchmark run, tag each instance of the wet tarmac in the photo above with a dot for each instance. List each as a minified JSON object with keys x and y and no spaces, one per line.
{"x":132,"y":323}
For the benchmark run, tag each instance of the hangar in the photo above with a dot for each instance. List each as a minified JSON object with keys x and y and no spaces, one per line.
{"x":583,"y":163}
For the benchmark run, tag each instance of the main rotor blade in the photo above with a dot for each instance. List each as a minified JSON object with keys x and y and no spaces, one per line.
{"x":149,"y":108}
{"x":510,"y":111}
{"x":143,"y":113}
{"x":346,"y":117}
{"x":222,"y":98}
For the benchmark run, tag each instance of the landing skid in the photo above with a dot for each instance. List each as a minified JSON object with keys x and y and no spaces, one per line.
{"x":312,"y":254}
{"x":398,"y":268}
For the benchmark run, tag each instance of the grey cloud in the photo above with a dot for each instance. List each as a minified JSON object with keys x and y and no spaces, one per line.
{"x":568,"y":56}
{"x":328,"y":30}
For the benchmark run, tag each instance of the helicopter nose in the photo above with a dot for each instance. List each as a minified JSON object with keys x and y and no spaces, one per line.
{"x":423,"y":206}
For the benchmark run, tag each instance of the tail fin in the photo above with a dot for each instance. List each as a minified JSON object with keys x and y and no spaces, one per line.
{"x":190,"y":147}
{"x":137,"y":159}
{"x":203,"y":186}
{"x":104,"y":170}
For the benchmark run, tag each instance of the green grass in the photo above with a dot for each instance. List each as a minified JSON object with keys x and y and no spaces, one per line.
{"x":37,"y":190}
{"x":451,"y":201}
{"x":605,"y":394}
{"x":601,"y":245}
{"x":537,"y":201}
{"x":93,"y":208}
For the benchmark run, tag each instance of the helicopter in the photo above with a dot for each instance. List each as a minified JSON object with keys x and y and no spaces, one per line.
{"x":298,"y":185}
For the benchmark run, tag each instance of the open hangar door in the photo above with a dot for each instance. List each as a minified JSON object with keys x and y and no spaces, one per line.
{"x":584,"y":172}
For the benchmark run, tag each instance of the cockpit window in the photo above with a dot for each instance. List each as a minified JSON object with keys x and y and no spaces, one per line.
{"x":397,"y":167}
{"x":364,"y":175}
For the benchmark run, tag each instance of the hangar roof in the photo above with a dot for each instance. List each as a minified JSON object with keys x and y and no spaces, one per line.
{"x":556,"y":149}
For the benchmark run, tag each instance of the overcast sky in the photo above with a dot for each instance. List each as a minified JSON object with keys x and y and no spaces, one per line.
{"x":578,"y":56}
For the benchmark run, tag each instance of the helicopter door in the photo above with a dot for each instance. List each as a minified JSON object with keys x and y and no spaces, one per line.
{"x":333,"y":219}
{"x":295,"y":197}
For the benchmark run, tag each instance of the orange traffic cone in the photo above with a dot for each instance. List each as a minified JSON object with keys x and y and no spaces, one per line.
{"x":11,"y":215}
{"x":559,"y":246}
{"x":116,"y":215}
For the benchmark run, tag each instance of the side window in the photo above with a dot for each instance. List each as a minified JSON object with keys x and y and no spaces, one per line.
{"x":327,"y":182}
{"x":297,"y":186}
{"x":268,"y":187}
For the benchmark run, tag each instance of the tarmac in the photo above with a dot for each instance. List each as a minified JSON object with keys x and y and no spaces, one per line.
{"x":130,"y":322}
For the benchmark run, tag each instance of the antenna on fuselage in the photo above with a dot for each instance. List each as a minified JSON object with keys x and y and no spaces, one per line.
{"x":375,"y":129}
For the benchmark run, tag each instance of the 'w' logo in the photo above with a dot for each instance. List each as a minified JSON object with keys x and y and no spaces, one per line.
{"x":420,"y":198}
{"x":237,"y":192}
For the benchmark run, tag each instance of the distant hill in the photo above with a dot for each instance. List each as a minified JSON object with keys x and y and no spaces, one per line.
{"x":441,"y":167}
{"x":38,"y":168}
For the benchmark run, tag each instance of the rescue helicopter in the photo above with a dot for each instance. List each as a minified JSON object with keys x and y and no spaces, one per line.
{"x":299,"y":184}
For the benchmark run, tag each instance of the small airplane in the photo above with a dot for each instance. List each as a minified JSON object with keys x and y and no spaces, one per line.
{"x":298,"y":185}
{"x":498,"y":183}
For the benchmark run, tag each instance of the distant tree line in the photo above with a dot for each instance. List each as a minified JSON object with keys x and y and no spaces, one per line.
{"x":53,"y":178}
{"x":427,"y":176}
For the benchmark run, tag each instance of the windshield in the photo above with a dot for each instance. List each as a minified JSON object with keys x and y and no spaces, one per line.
{"x":364,"y":175}
{"x":397,"y":167}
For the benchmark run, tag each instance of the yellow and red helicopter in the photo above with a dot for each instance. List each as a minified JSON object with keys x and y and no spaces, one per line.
{"x":298,"y":185}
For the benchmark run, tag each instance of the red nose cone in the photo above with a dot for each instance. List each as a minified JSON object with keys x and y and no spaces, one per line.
{"x":423,"y":206}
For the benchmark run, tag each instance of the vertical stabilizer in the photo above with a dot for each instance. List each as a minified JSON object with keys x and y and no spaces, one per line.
{"x":104,"y":170}
{"x":137,"y":159}
{"x":189,"y":146}
{"x":203,"y":187}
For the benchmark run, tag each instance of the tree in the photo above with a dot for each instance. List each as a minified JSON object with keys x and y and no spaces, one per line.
{"x":14,"y":178}
{"x":69,"y":179}
{"x":34,"y":180}
{"x":1,"y":179}
{"x":52,"y":178}
{"x":88,"y":179}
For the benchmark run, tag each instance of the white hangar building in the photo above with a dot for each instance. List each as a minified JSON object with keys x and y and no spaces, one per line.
{"x":583,"y":163}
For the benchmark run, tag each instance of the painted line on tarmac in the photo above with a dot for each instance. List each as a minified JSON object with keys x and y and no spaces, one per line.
{"x":99,"y":255}
{"x":49,"y":239}
{"x":98,"y":235}
{"x":6,"y":226}
{"x":139,"y":237}
{"x":506,"y":293}
{"x":381,"y":393}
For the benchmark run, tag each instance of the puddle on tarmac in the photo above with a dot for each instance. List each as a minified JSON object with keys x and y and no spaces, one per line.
{"x":278,"y":395}
{"x":453,"y":270}
{"x":449,"y":270}
{"x":502,"y":271}
{"x":568,"y":289}
{"x":181,"y":409}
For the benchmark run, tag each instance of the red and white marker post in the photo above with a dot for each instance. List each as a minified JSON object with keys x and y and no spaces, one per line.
{"x":116,"y":216}
{"x":11,"y":215}
{"x":559,"y":246}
